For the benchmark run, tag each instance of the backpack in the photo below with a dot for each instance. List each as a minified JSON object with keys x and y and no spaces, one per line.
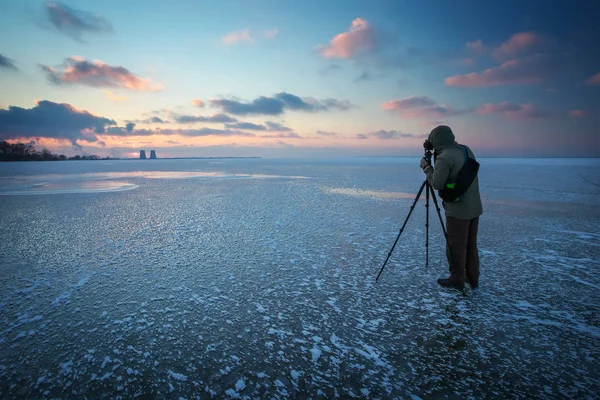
{"x":464,"y":179}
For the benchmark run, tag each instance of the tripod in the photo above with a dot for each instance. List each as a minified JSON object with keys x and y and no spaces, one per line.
{"x":428,"y":190}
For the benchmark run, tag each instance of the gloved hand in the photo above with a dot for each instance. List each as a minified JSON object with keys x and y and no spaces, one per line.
{"x":424,"y":163}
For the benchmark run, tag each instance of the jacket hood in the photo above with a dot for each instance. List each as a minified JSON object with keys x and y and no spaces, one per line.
{"x":442,"y":137}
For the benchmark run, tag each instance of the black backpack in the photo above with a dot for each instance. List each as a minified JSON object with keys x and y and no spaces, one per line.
{"x":464,"y":179}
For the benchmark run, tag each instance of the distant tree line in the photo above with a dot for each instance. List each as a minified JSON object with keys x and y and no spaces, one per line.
{"x":27,"y":152}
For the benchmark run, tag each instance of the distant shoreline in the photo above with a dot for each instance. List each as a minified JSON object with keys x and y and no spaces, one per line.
{"x":134,"y":159}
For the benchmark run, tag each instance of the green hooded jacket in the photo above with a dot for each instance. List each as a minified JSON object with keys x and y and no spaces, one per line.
{"x":450,"y":158}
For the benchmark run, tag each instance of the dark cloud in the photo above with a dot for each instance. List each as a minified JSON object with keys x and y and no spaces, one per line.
{"x":247,"y":125}
{"x":77,"y":70}
{"x":280,"y":102}
{"x":385,"y":135}
{"x":268,"y":126}
{"x":156,"y":120}
{"x":217,"y":118}
{"x":274,"y":126}
{"x":262,"y":105}
{"x":7,"y":63}
{"x":53,"y":120}
{"x":129,"y":127}
{"x":341,"y":105}
{"x":74,"y":22}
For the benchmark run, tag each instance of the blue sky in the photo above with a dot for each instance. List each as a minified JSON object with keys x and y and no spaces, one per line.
{"x":289,"y":78}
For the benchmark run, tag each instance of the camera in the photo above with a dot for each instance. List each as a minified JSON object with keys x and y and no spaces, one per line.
{"x":427,"y":145}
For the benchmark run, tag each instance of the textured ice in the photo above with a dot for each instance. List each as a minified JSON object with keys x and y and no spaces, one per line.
{"x":256,"y":279}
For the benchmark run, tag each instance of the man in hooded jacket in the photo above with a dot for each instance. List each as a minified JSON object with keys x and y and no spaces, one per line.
{"x":462,"y":216}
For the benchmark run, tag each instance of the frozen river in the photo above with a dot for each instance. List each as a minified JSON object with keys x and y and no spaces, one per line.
{"x":255,"y":278}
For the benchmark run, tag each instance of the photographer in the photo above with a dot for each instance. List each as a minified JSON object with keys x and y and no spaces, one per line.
{"x":462,"y":213}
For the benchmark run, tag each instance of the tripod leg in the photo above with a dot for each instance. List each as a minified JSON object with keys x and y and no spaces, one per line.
{"x":437,"y":207}
{"x":427,"y":189}
{"x":402,"y":229}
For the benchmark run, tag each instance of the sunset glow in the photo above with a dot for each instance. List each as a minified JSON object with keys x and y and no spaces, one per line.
{"x":298,"y":79}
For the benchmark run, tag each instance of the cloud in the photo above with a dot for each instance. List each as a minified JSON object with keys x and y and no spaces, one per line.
{"x":514,"y":72}
{"x":217,"y":118}
{"x":237,"y":37}
{"x":247,"y":125}
{"x":384,"y":135}
{"x":594,"y":80}
{"x":155,"y":120}
{"x":360,"y":38}
{"x":129,"y":127}
{"x":476,"y":47}
{"x":274,"y":126}
{"x":369,"y":46}
{"x":261,"y":105}
{"x":408,"y":102}
{"x":118,"y":131}
{"x":269,"y":126}
{"x":198,"y":103}
{"x":151,"y":120}
{"x":77,"y":70}
{"x":522,"y":43}
{"x":277,"y":104}
{"x":513,"y":111}
{"x":74,"y":22}
{"x":576,"y":113}
{"x":246,"y":36}
{"x":420,"y":107}
{"x":327,"y":133}
{"x":7,"y":63}
{"x":282,"y":135}
{"x":115,"y":97}
{"x":53,"y":120}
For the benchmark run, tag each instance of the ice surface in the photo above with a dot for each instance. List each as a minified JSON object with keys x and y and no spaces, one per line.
{"x":256,"y":279}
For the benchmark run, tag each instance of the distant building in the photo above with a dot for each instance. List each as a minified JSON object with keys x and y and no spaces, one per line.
{"x":142,"y":154}
{"x":152,"y":155}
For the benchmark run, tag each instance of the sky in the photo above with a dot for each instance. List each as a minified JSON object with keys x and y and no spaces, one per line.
{"x":284,"y":78}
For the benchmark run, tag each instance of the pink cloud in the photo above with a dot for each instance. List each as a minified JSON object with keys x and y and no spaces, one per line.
{"x":77,"y":70}
{"x":358,"y":39}
{"x":576,"y":113}
{"x":420,"y":107}
{"x":594,"y":80}
{"x":513,"y":72}
{"x":407,"y":102}
{"x":198,"y":103}
{"x":476,"y":47}
{"x":513,"y":111}
{"x":519,"y":43}
{"x":237,"y":37}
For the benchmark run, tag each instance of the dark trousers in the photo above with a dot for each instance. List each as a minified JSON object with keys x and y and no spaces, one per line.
{"x":461,"y":250}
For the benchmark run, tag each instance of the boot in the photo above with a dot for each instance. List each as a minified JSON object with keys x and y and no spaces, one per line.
{"x":445,"y":282}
